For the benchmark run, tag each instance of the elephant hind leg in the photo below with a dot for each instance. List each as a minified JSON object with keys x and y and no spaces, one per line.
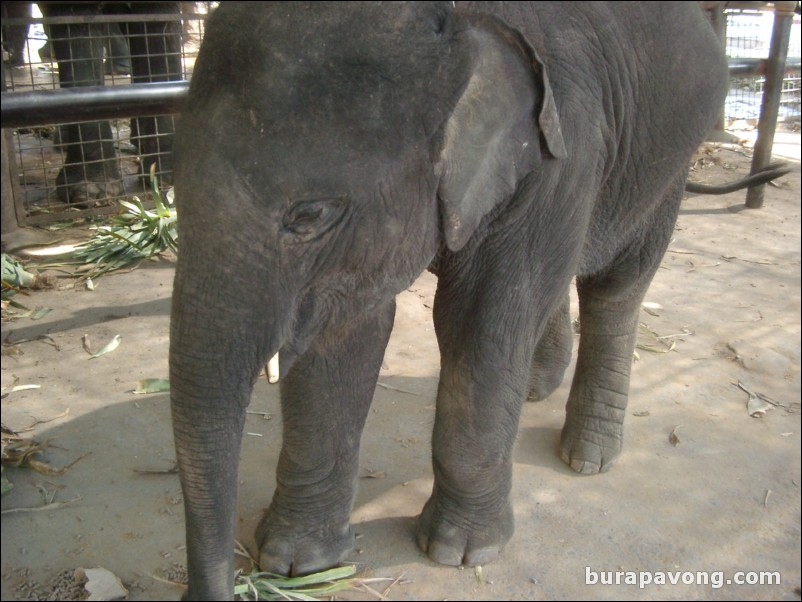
{"x":609,"y":307}
{"x":552,"y":354}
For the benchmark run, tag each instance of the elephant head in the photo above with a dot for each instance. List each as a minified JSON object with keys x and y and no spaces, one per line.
{"x":327,"y":153}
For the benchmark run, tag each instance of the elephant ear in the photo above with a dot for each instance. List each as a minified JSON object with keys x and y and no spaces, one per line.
{"x":492,"y":137}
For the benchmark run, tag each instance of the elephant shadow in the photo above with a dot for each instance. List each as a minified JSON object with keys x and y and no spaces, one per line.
{"x":124,"y":487}
{"x":117,"y":501}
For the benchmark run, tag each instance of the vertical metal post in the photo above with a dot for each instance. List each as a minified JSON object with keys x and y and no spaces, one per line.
{"x":770,"y":105}
{"x":8,"y":215}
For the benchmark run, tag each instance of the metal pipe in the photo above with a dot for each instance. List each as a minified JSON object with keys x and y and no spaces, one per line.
{"x":741,"y":67}
{"x":66,"y":105}
{"x":90,"y":103}
{"x":770,"y":106}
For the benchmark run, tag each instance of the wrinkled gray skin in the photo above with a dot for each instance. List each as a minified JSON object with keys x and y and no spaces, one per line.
{"x":329,"y":153}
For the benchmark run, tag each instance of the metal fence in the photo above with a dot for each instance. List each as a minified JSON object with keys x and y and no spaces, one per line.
{"x":748,"y":37}
{"x":81,"y":169}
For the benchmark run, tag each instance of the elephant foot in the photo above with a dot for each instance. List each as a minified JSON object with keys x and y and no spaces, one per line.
{"x":588,"y":451}
{"x":451,"y":537}
{"x":82,"y":193}
{"x":552,"y":355}
{"x":285,"y":550}
{"x":544,"y":385}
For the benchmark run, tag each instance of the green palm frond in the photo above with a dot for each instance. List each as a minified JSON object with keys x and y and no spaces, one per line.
{"x":133,"y":235}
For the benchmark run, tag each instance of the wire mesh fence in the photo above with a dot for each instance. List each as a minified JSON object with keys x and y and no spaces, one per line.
{"x":81,"y":169}
{"x":749,"y":37}
{"x":86,"y":167}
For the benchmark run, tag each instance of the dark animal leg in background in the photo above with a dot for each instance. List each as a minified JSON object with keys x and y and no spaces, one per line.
{"x":90,"y":166}
{"x":553,"y":354}
{"x":155,"y":57}
{"x":14,"y":36}
{"x":609,"y":307}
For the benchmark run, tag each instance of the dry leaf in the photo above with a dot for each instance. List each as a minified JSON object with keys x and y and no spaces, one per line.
{"x":101,"y":584}
{"x":673,"y":438}
{"x":109,"y":347}
{"x":374,"y":474}
{"x":756,"y":407}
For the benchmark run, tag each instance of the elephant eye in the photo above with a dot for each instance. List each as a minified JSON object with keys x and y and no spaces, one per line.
{"x":308,"y":219}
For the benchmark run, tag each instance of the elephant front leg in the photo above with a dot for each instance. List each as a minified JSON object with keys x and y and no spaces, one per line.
{"x":487,"y":342}
{"x":325,"y":399}
{"x":468,"y":518}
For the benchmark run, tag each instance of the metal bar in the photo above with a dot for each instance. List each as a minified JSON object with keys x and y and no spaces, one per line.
{"x":90,"y":103}
{"x":770,"y":106}
{"x":751,"y":67}
{"x":101,"y":18}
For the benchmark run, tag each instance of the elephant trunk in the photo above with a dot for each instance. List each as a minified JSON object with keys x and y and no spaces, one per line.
{"x":219,"y":344}
{"x":207,"y":450}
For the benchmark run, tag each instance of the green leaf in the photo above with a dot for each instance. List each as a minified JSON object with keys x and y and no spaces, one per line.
{"x":40,"y":312}
{"x":269,"y":586}
{"x":5,"y":484}
{"x":151,"y":385}
{"x":135,"y":234}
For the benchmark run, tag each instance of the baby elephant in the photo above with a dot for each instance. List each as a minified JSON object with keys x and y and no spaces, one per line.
{"x":329,"y":153}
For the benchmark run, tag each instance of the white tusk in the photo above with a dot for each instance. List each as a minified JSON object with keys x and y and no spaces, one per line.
{"x":272,"y":370}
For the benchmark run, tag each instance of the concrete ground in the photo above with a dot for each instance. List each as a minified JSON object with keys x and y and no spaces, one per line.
{"x":718,"y":503}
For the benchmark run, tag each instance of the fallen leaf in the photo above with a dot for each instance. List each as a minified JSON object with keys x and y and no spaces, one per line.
{"x":5,"y":485}
{"x":40,"y":312}
{"x":641,"y":414}
{"x":659,"y":347}
{"x":18,"y":388}
{"x":173,"y":470}
{"x":44,"y":468}
{"x":756,"y":407}
{"x":109,"y":347}
{"x":374,"y":474}
{"x":151,"y":385}
{"x":651,"y":308}
{"x":101,"y":584}
{"x":673,"y":438}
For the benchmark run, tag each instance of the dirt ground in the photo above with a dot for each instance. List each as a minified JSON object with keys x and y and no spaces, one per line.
{"x":717,"y":503}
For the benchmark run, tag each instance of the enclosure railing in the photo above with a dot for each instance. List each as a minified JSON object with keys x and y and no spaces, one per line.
{"x":40,"y":112}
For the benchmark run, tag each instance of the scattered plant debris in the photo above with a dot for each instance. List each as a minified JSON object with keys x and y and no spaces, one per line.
{"x":101,"y":584}
{"x":673,"y":438}
{"x":268,"y":586}
{"x":758,"y":404}
{"x":132,"y":236}
{"x":107,"y":348}
{"x":151,"y":385}
{"x":18,"y":452}
{"x":15,"y":280}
